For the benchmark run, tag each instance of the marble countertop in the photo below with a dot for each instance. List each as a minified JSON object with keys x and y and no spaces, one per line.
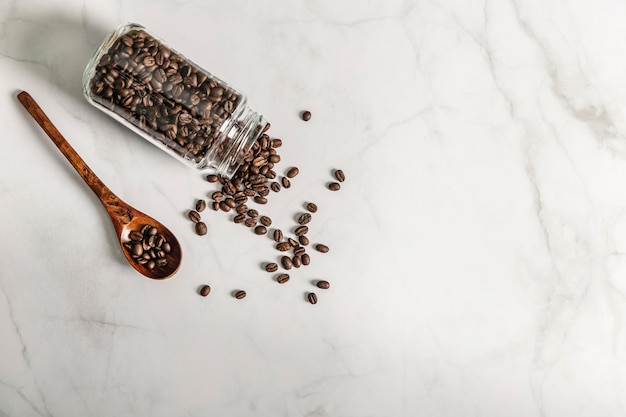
{"x":477,"y":247}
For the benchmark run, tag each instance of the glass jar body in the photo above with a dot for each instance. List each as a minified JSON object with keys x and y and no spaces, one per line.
{"x":173,"y":103}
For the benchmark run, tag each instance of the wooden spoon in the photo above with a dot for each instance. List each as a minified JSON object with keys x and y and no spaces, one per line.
{"x":124,"y":217}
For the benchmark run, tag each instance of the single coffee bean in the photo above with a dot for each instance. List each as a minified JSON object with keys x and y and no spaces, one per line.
{"x":321,"y":248}
{"x":312,"y":207}
{"x":292,"y":172}
{"x":150,"y":264}
{"x":306,"y":115}
{"x":215,"y":205}
{"x":151,"y":231}
{"x":282,"y":278}
{"x":334,"y":186}
{"x":293,"y":242}
{"x":167,"y":248}
{"x":304,"y":218}
{"x":306,"y":259}
{"x":271,"y":267}
{"x":200,"y":205}
{"x":253,"y":213}
{"x":299,"y":251}
{"x":201,"y":228}
{"x":240,"y":218}
{"x":211,"y":178}
{"x":137,"y":249}
{"x":278,"y":235}
{"x":231,"y":202}
{"x":194,"y":216}
{"x":286,"y":182}
{"x":241,"y":209}
{"x":224,"y":206}
{"x":323,"y":284}
{"x":275,"y":186}
{"x":161,"y":262}
{"x":265,"y":221}
{"x":283,"y":246}
{"x":144,"y":229}
{"x":302,"y":230}
{"x":251,"y":222}
{"x":296,"y":261}
{"x":303,"y":240}
{"x":286,"y":262}
{"x":260,"y":230}
{"x":277,"y":143}
{"x":135,"y":235}
{"x":312,"y":297}
{"x":339,"y":175}
{"x":217,"y":196}
{"x":205,"y":290}
{"x":260,"y":200}
{"x":240,"y":294}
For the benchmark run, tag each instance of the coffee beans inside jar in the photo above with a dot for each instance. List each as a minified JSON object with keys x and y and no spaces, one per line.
{"x":170,"y":101}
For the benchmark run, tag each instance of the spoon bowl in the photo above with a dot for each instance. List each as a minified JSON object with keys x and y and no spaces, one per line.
{"x":124,"y":217}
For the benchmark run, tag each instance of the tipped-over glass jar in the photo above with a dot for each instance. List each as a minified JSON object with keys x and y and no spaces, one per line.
{"x":138,"y":80}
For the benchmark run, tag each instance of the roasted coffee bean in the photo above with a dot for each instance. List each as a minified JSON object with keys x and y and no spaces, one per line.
{"x":271,"y":267}
{"x":299,"y":251}
{"x":312,"y":207}
{"x":278,"y":235}
{"x":251,"y":222}
{"x":292,"y":172}
{"x":167,"y":248}
{"x":161,"y":262}
{"x":282,"y":278}
{"x":217,"y":196}
{"x":306,"y":259}
{"x":275,"y":186}
{"x":306,"y":115}
{"x":260,"y":230}
{"x":253,"y":213}
{"x":215,"y":205}
{"x":277,"y":143}
{"x":321,"y":248}
{"x":231,"y":202}
{"x":286,"y":262}
{"x":339,"y":175}
{"x":274,"y":159}
{"x":241,"y":209}
{"x":312,"y":297}
{"x":240,"y":294}
{"x":137,"y":249}
{"x":211,"y":178}
{"x":303,"y":240}
{"x":302,"y":230}
{"x":200,"y":205}
{"x":151,"y":231}
{"x":260,"y":200}
{"x":194,"y":216}
{"x":150,"y":264}
{"x":201,"y":228}
{"x":304,"y":218}
{"x":135,"y":235}
{"x":296,"y":261}
{"x":323,"y":284}
{"x":205,"y":290}
{"x":285,"y":181}
{"x":292,"y":242}
{"x":240,"y":218}
{"x":334,"y":186}
{"x":224,"y":206}
{"x":283,"y":246}
{"x":265,"y":221}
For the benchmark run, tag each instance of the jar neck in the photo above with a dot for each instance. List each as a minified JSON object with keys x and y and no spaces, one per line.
{"x":236,"y":139}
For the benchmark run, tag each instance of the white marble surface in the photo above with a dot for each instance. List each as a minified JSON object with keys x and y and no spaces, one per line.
{"x":478,"y":246}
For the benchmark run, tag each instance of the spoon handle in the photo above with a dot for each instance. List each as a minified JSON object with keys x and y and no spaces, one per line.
{"x":111,"y":202}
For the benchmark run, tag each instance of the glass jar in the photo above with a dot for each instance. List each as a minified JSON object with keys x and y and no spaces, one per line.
{"x":194,"y":116}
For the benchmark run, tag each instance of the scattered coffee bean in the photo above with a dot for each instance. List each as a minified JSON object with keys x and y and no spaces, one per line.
{"x":200,"y":205}
{"x":205,"y":290}
{"x":296,"y":261}
{"x":334,"y":186}
{"x":299,"y":251}
{"x":260,"y":230}
{"x":303,"y":240}
{"x":283,"y":246}
{"x":231,"y":202}
{"x":292,"y":172}
{"x":321,"y":248}
{"x":323,"y":284}
{"x":275,"y":186}
{"x":240,"y":218}
{"x":253,"y":213}
{"x":241,"y":209}
{"x":260,"y":200}
{"x":211,"y":178}
{"x":286,"y":262}
{"x":251,"y":222}
{"x":306,"y":259}
{"x":215,"y":205}
{"x":224,"y":206}
{"x":278,"y":235}
{"x":312,"y":207}
{"x":194,"y":216}
{"x":201,"y":228}
{"x":304,"y":218}
{"x":265,"y":221}
{"x":217,"y":196}
{"x":292,"y":242}
{"x":271,"y":267}
{"x":306,"y":115}
{"x":312,"y":297}
{"x":302,"y":230}
{"x":339,"y":175}
{"x":240,"y":294}
{"x":286,"y":182}
{"x":282,"y":278}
